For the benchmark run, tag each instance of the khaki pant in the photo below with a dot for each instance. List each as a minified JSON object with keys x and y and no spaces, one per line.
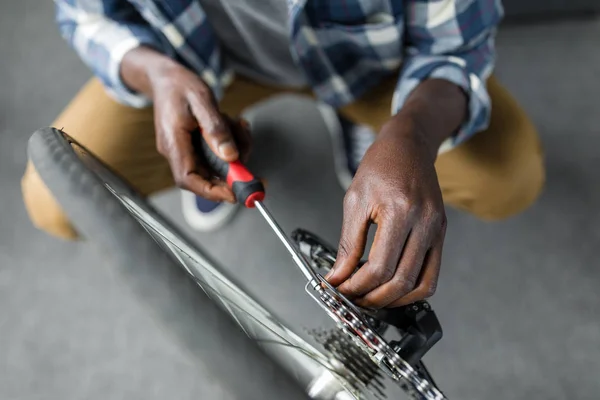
{"x":494,"y":175}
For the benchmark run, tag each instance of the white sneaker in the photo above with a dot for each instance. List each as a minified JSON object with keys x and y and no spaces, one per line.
{"x":205,"y":215}
{"x":350,"y":143}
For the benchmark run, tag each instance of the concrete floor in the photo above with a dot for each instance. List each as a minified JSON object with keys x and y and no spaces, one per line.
{"x":518,"y":300}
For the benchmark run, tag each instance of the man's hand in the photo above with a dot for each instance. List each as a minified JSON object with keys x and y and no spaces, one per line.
{"x":183,"y":106}
{"x":396,"y":187}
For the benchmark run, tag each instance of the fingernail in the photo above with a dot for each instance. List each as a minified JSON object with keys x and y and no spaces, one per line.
{"x":227,"y":149}
{"x":330,"y":274}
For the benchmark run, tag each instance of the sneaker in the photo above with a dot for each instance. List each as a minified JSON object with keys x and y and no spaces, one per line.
{"x":350,"y":143}
{"x":205,"y":215}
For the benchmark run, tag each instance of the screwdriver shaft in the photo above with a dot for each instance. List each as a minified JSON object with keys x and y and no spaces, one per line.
{"x":298,"y":259}
{"x":250,"y":191}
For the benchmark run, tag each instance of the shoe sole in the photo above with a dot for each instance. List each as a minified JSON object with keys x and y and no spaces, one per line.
{"x":205,"y":222}
{"x":340,"y":159}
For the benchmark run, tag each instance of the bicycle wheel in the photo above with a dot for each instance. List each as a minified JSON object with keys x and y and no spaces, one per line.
{"x":147,"y":250}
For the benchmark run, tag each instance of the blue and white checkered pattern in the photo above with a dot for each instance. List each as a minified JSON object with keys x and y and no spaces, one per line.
{"x":345,"y":47}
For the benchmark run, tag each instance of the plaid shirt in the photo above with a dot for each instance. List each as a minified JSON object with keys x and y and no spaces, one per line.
{"x":344,"y":47}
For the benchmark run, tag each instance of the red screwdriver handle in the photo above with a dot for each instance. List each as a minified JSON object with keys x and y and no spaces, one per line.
{"x":245,"y":186}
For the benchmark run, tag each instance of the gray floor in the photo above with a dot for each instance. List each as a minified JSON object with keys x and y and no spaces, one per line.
{"x":518,"y":300}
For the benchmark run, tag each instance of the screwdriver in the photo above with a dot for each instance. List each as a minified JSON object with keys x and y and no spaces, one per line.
{"x":250,"y":191}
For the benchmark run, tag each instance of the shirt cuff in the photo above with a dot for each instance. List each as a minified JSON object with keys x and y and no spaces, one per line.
{"x":115,"y":86}
{"x":453,"y":70}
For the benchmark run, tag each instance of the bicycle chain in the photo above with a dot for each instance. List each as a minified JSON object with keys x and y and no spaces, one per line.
{"x":350,"y":320}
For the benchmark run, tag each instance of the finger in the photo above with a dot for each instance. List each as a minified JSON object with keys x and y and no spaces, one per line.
{"x":355,"y":227}
{"x":208,"y":189}
{"x":388,"y":245}
{"x":242,"y":135}
{"x":221,"y":186}
{"x":188,"y":174}
{"x":405,"y":277}
{"x":243,"y":139}
{"x":428,"y":281}
{"x":214,"y":128}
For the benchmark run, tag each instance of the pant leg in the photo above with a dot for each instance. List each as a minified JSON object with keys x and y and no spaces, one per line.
{"x":243,"y":93}
{"x":496,"y":174}
{"x":122,"y":137}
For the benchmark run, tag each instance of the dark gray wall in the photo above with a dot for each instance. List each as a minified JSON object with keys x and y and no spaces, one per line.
{"x":540,"y":8}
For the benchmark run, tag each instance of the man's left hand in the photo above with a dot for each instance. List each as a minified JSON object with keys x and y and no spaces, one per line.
{"x":395,"y":187}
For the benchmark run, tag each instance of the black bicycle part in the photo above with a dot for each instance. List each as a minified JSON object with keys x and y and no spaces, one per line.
{"x":416,"y":323}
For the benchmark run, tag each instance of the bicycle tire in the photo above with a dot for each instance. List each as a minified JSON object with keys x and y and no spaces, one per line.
{"x":154,"y":277}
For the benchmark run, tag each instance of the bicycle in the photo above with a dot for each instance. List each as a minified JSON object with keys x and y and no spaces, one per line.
{"x":356,"y":360}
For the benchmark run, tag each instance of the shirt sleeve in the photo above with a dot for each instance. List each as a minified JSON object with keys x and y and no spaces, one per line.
{"x":101,"y":32}
{"x":451,"y":40}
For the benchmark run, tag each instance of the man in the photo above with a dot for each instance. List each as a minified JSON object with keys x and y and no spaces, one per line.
{"x":428,"y":61}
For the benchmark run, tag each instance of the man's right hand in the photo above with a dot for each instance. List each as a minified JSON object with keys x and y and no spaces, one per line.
{"x":183,"y":106}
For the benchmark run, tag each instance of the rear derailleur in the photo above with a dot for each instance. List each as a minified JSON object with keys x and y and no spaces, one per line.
{"x":416,"y":324}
